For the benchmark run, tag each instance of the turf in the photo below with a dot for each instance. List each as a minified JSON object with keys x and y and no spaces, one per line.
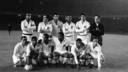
{"x":115,"y":49}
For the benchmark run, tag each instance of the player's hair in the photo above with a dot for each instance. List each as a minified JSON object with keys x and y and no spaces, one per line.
{"x":23,"y":37}
{"x":28,"y":14}
{"x":34,"y":38}
{"x":82,"y":14}
{"x":78,"y":40}
{"x":97,"y":15}
{"x":56,"y":14}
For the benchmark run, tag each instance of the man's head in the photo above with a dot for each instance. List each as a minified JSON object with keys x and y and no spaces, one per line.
{"x":97,"y":19}
{"x":95,"y":41}
{"x":24,"y":40}
{"x":45,"y":19}
{"x":28,"y":16}
{"x":55,"y":17}
{"x":34,"y":40}
{"x":82,"y":17}
{"x":61,"y":36}
{"x":78,"y":42}
{"x":68,"y":18}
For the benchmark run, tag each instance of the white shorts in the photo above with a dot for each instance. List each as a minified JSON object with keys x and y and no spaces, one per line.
{"x":85,"y":39}
{"x":17,"y":59}
{"x":41,"y":37}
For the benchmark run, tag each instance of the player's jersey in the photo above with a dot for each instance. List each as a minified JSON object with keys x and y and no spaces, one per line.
{"x":28,"y":27}
{"x":68,"y":30}
{"x":45,"y":27}
{"x":47,"y":47}
{"x":30,"y":48}
{"x":59,"y":46}
{"x":57,"y":27}
{"x":82,"y":27}
{"x":19,"y":50}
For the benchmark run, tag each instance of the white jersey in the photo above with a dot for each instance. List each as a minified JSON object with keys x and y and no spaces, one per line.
{"x":82,"y":30}
{"x":59,"y":46}
{"x":57,"y":27}
{"x":19,"y":52}
{"x":28,"y":27}
{"x":82,"y":27}
{"x":68,"y":30}
{"x":47,"y":28}
{"x":30,"y":47}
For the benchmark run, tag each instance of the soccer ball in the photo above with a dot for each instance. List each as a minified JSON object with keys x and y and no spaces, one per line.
{"x":28,"y":67}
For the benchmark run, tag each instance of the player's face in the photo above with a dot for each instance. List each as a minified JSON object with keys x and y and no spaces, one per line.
{"x":95,"y":41}
{"x":78,"y":44}
{"x":56,"y":17}
{"x":45,"y":18}
{"x":46,"y":39}
{"x":24,"y":41}
{"x":82,"y":17}
{"x":34,"y":42}
{"x":97,"y":19}
{"x":68,"y":18}
{"x":28,"y":16}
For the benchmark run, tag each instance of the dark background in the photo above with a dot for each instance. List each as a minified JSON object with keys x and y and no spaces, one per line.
{"x":114,"y":13}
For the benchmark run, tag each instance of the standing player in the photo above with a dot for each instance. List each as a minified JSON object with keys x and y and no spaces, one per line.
{"x":97,"y":29}
{"x":19,"y":54}
{"x":69,"y":29}
{"x":82,"y":28}
{"x":44,"y":27}
{"x":57,"y":25}
{"x":27,"y":27}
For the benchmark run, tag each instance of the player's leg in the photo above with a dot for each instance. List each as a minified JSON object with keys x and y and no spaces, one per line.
{"x":16,"y":61}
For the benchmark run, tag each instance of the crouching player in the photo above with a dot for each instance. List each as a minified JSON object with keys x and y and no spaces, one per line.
{"x":60,"y":44}
{"x":19,"y":54}
{"x":95,"y":52}
{"x":31,"y":53}
{"x":80,"y":51}
{"x":45,"y":53}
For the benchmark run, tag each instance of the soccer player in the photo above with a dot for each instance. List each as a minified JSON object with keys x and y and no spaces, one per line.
{"x":97,"y":29}
{"x":82,"y":29}
{"x":19,"y":54}
{"x":60,"y":44}
{"x":28,"y":26}
{"x":96,"y":52}
{"x":57,"y":25}
{"x":79,"y":51}
{"x":44,"y":27}
{"x":32,"y":53}
{"x":48,"y":47}
{"x":69,"y":29}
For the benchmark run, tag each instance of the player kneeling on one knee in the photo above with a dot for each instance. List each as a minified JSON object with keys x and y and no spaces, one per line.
{"x":19,"y":54}
{"x":32,"y":54}
{"x":96,"y":52}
